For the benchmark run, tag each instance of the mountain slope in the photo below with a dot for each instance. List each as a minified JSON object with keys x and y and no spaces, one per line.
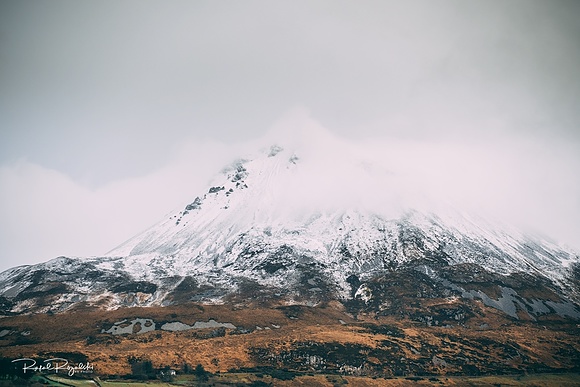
{"x":293,"y":226}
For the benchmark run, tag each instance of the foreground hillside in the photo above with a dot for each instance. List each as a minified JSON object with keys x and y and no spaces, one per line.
{"x":240,"y":379}
{"x":288,"y":341}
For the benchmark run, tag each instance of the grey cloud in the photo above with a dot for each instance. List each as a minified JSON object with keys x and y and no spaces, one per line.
{"x":106,"y":91}
{"x":131,"y":79}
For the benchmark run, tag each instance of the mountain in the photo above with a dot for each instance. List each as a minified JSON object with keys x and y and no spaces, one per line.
{"x":294,"y":226}
{"x":298,"y":266}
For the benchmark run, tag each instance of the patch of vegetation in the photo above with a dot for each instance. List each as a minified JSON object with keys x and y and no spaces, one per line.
{"x":387,"y":330}
{"x":274,"y":372}
{"x":201,"y":374}
{"x":336,"y":380}
{"x":331,"y":357}
{"x":141,"y":369}
{"x":292,"y":311}
{"x":102,"y":339}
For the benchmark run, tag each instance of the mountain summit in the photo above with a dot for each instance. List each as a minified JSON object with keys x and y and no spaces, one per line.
{"x":291,"y":225}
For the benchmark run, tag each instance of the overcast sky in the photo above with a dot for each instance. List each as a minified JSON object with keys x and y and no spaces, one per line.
{"x":113,"y":113}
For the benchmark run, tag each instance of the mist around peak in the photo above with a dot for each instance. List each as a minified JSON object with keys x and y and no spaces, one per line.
{"x":530,"y":183}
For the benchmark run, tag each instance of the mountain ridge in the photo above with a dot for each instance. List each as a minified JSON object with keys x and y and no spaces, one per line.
{"x":274,"y":226}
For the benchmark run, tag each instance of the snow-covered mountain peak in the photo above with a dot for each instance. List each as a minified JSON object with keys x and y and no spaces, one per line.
{"x":317,"y":203}
{"x":318,"y":220}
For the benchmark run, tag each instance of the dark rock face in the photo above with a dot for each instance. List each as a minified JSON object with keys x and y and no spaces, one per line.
{"x":196,"y":204}
{"x":135,"y":287}
{"x":574,"y":276}
{"x":216,"y":189}
{"x":408,"y":291}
